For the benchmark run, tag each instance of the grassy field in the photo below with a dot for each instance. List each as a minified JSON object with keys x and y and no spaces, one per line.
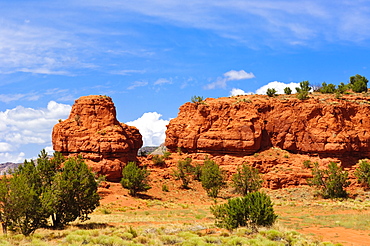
{"x":303,"y":220}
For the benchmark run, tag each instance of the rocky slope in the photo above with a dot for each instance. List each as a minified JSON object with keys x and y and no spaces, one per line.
{"x":93,"y":131}
{"x":244,"y":125}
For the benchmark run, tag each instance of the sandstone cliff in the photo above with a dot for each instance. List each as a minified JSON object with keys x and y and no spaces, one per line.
{"x":93,"y":131}
{"x":246,"y":124}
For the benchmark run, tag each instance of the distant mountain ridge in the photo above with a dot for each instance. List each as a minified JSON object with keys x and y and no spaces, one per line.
{"x":8,"y":166}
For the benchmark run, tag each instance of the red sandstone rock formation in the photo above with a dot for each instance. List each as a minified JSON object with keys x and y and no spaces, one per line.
{"x":246,"y":124}
{"x":93,"y":131}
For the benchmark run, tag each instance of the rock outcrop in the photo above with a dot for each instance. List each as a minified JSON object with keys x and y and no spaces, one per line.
{"x":246,"y":124}
{"x":93,"y":131}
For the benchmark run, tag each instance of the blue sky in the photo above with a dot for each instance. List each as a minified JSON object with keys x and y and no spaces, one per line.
{"x":153,"y":56}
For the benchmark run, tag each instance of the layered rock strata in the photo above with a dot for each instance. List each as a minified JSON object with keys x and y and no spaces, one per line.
{"x":246,"y":124}
{"x":93,"y":131}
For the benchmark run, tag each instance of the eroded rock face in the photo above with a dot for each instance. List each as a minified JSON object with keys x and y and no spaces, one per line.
{"x":247,"y":124}
{"x":93,"y":131}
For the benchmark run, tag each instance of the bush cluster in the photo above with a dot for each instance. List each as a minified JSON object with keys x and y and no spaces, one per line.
{"x":36,"y":194}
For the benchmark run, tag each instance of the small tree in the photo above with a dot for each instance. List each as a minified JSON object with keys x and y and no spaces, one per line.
{"x":330,"y":182}
{"x":327,"y":88}
{"x":287,"y":90}
{"x":5,"y":211}
{"x":212,"y":178}
{"x":24,"y":210}
{"x":184,"y":172}
{"x":342,"y":88}
{"x":135,"y":179}
{"x":362,"y":172}
{"x":197,"y":172}
{"x":75,"y":193}
{"x":197,"y":99}
{"x":246,"y":179}
{"x":358,"y":83}
{"x":303,"y":90}
{"x":271,"y":92}
{"x":253,"y":210}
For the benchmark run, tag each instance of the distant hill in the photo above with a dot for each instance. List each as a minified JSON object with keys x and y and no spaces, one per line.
{"x":8,"y":166}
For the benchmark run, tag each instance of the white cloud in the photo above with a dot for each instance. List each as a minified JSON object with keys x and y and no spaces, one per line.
{"x":6,"y":98}
{"x":5,"y":147}
{"x":162,"y":81}
{"x":137,"y":84}
{"x":12,"y":157}
{"x":278,"y":86}
{"x":37,"y":49}
{"x":127,"y":72}
{"x":239,"y":92}
{"x":42,"y":70}
{"x":151,"y":127}
{"x":21,"y":126}
{"x":228,"y":76}
{"x":238,"y":75}
{"x":49,"y":150}
{"x":256,"y":22}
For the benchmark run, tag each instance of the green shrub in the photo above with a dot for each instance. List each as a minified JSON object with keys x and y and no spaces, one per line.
{"x":135,"y":179}
{"x":362,"y":172}
{"x":307,"y":163}
{"x":303,"y":90}
{"x":158,"y":160}
{"x":255,"y":209}
{"x":327,"y":88}
{"x":287,"y":90}
{"x":303,"y":95}
{"x":184,"y":171}
{"x":166,"y":155}
{"x":165,"y":188}
{"x":246,"y":179}
{"x":330,"y":182}
{"x":212,"y":178}
{"x":271,"y":92}
{"x":197,"y":172}
{"x":197,"y":99}
{"x":342,"y":88}
{"x":358,"y":83}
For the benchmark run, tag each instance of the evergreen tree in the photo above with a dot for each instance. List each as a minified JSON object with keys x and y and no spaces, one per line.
{"x":184,"y":172}
{"x":331,"y":181}
{"x":358,"y":83}
{"x":24,"y":200}
{"x":271,"y":92}
{"x":212,"y":178}
{"x":287,"y":90}
{"x":246,"y":179}
{"x":75,"y":193}
{"x":253,"y":210}
{"x":135,"y":179}
{"x":5,"y":209}
{"x":34,"y":193}
{"x":303,"y":90}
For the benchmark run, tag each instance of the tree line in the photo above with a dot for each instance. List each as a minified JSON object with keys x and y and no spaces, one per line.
{"x":357,"y":84}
